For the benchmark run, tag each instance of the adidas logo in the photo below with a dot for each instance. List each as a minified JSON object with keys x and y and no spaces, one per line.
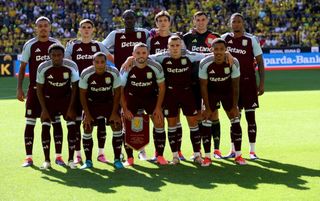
{"x":93,"y":82}
{"x":50,"y":77}
{"x":157,"y":43}
{"x":230,"y":42}
{"x":133,"y":76}
{"x":169,"y":62}
{"x":254,"y":105}
{"x":79,"y":49}
{"x":195,"y":112}
{"x":38,"y":50}
{"x":194,"y":40}
{"x":123,"y":37}
{"x":212,"y":72}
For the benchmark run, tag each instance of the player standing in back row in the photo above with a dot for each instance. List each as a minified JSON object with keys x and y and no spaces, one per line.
{"x":81,"y":51}
{"x":35,"y":51}
{"x":199,"y":40}
{"x":245,"y":47}
{"x":122,"y":41}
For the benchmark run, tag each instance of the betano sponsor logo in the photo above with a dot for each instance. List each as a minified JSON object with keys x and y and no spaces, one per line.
{"x":128,"y":44}
{"x":42,"y":58}
{"x":236,"y":50}
{"x":99,"y":89}
{"x":200,"y":49}
{"x":84,"y":57}
{"x":177,"y":70}
{"x":141,"y":84}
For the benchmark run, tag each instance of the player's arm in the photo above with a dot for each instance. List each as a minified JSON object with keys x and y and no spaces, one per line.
{"x":83,"y":93}
{"x":40,"y":83}
{"x":71,"y":113}
{"x":204,"y":93}
{"x":257,"y":52}
{"x":44,"y":111}
{"x":203,"y":77}
{"x":22,"y":71}
{"x":261,"y":74}
{"x":157,"y":113}
{"x":115,"y":118}
{"x":110,"y":56}
{"x":235,"y":76}
{"x":126,"y":112}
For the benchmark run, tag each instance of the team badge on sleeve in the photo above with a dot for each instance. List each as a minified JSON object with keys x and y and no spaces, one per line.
{"x":65,"y":75}
{"x":93,"y":48}
{"x":108,"y":80}
{"x":226,"y":70}
{"x":149,"y":75}
{"x":139,"y":35}
{"x":244,"y":42}
{"x":183,"y":61}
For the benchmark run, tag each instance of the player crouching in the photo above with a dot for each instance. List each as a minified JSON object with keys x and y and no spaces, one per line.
{"x":56,"y":97}
{"x":100,"y":96}
{"x":220,"y":83}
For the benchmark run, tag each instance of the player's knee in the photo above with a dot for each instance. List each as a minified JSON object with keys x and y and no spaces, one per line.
{"x":192,"y":121}
{"x":215,"y":115}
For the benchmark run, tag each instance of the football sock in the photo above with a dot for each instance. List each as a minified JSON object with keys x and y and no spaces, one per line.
{"x":195,"y":138}
{"x":29,"y":135}
{"x":116,"y":144}
{"x":87,"y":145}
{"x":216,"y":133}
{"x":45,"y":138}
{"x":101,"y":133}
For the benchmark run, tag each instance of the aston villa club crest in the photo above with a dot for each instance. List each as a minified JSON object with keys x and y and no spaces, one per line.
{"x":149,"y":75}
{"x":139,"y":35}
{"x":93,"y":48}
{"x":183,"y":61}
{"x":108,"y":80}
{"x":137,"y":124}
{"x":244,"y":42}
{"x":65,"y":75}
{"x":227,"y":70}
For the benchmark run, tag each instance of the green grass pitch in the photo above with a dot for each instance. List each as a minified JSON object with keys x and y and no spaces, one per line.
{"x":288,"y":142}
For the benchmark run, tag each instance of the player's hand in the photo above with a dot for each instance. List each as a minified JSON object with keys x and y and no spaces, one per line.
{"x":45,"y":117}
{"x":154,"y":32}
{"x":71,"y":114}
{"x":87,"y":122}
{"x":193,"y":31}
{"x":127,"y":115}
{"x":127,"y":65}
{"x":115,"y":120}
{"x":206,"y":114}
{"x":158,"y":115}
{"x":260,"y":89}
{"x":20,"y":95}
{"x":229,"y":58}
{"x":234,"y":112}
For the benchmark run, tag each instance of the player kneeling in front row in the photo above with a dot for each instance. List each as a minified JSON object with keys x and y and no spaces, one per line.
{"x":56,"y":97}
{"x":220,"y":83}
{"x":143,"y":88}
{"x":100,"y":97}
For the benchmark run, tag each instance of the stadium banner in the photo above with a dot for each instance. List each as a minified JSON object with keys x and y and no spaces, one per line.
{"x":7,"y":65}
{"x":286,"y":50}
{"x":292,"y":61}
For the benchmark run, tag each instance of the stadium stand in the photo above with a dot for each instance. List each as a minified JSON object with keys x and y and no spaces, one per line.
{"x":277,"y":23}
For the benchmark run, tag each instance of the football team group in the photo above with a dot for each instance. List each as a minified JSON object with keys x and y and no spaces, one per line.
{"x":157,"y":73}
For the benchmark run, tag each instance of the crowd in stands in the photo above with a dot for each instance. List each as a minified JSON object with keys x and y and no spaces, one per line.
{"x":277,"y":23}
